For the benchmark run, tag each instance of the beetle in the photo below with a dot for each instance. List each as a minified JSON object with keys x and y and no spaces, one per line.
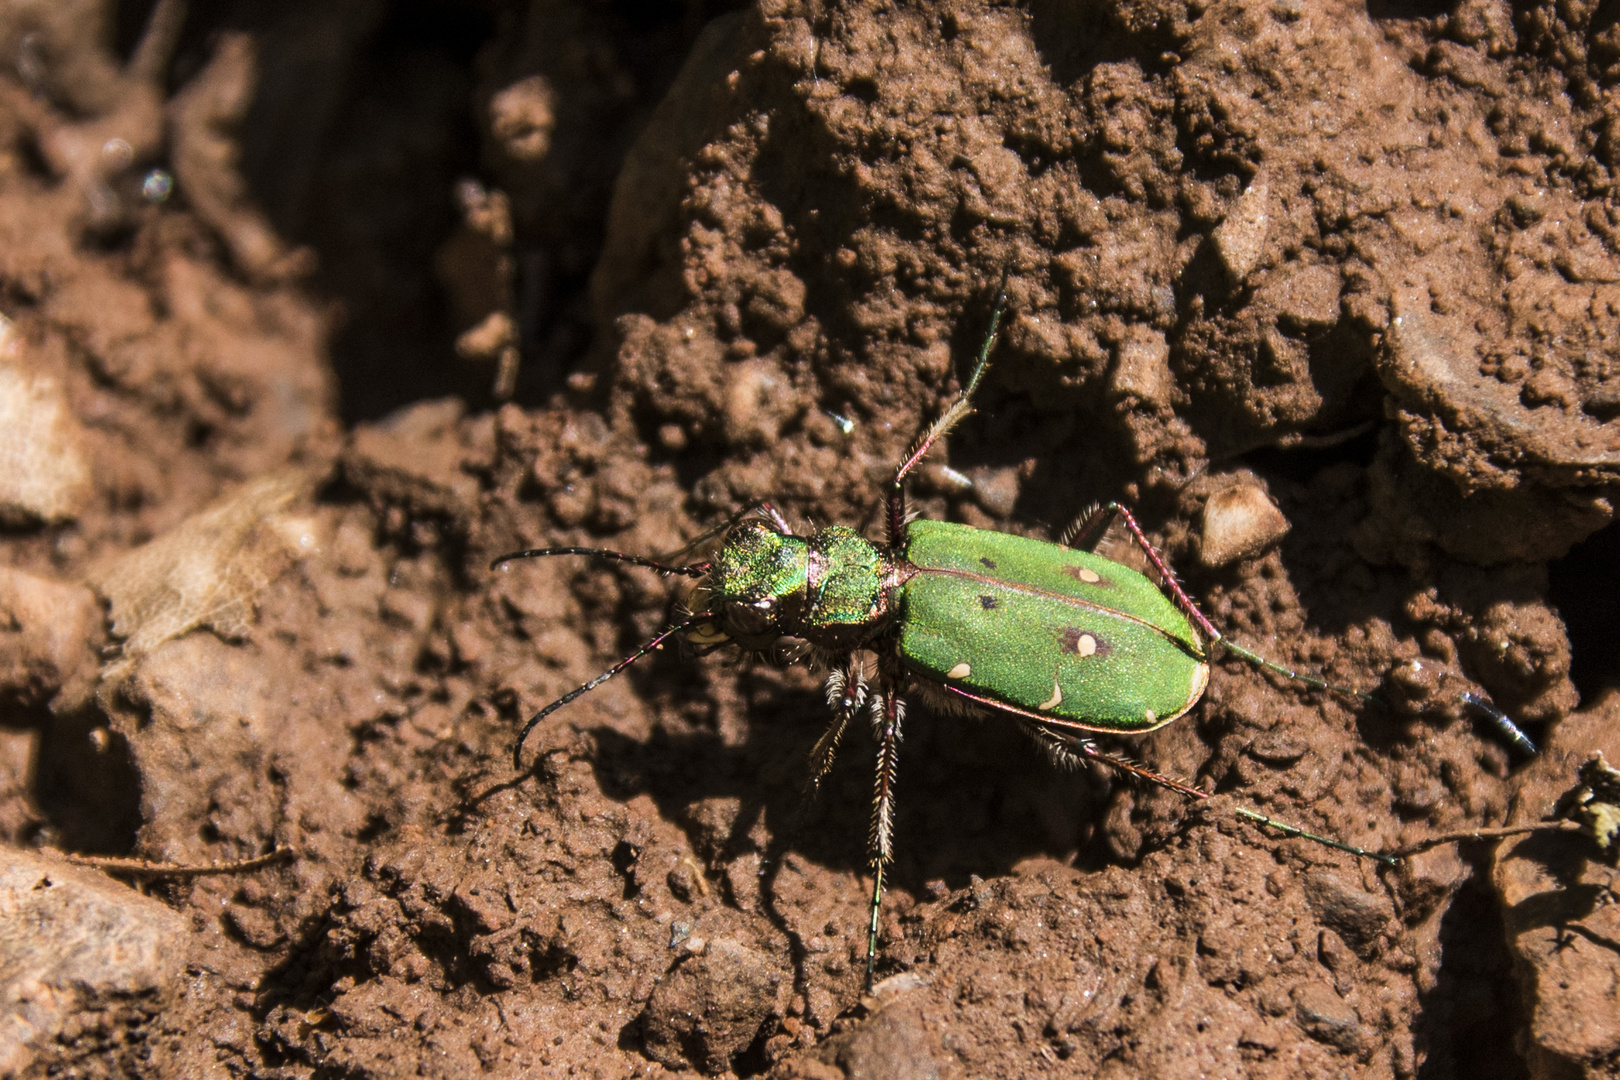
{"x":1061,"y":640}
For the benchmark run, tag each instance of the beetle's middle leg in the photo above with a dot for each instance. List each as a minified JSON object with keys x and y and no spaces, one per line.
{"x":846,"y":696}
{"x":887,"y":712}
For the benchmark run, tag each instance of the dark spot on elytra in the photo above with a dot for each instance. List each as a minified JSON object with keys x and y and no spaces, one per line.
{"x":1070,"y":641}
{"x":987,"y":602}
{"x":989,"y":564}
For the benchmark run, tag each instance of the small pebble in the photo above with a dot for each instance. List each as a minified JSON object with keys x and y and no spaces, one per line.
{"x":1240,"y":523}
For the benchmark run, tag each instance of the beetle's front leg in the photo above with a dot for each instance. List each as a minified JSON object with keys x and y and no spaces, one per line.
{"x":846,"y":696}
{"x":940,"y":428}
{"x":887,"y":713}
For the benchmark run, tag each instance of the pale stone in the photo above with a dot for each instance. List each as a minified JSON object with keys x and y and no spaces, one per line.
{"x":43,"y":472}
{"x":1240,"y":522}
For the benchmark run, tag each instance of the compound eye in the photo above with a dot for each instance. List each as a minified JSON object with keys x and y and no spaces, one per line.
{"x":765,"y":610}
{"x":756,"y":617}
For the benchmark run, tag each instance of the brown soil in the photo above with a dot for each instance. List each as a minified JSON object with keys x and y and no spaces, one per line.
{"x":1328,"y":292}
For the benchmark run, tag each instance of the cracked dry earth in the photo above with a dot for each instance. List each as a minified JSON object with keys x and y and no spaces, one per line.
{"x":312,"y":309}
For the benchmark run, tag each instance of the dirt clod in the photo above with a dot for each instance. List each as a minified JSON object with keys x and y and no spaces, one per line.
{"x":43,"y":473}
{"x":712,"y":1005}
{"x":1557,"y":893}
{"x":44,"y":629}
{"x":78,"y":952}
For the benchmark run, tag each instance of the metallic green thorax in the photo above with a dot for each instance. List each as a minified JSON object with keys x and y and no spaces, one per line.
{"x":849,"y":584}
{"x":1045,"y":631}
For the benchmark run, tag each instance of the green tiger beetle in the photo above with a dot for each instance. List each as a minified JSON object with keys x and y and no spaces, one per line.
{"x":1078,"y":644}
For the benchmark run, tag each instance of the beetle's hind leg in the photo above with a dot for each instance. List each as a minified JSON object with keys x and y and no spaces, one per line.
{"x":1072,"y":753}
{"x":846,"y":696}
{"x":1088,"y":531}
{"x":1061,"y":752}
{"x":1503,"y":723}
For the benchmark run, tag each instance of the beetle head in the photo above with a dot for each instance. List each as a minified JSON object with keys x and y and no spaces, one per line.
{"x":757,"y":586}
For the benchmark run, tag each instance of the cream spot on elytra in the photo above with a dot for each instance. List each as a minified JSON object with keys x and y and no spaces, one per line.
{"x":1057,"y":699}
{"x":1087,"y":645}
{"x":960,"y":671}
{"x":1090,"y":577}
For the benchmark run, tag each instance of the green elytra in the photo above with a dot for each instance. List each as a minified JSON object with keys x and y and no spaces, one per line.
{"x":1058,"y":638}
{"x":1078,"y":639}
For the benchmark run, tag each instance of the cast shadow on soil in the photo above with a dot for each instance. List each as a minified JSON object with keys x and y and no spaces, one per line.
{"x":1074,"y":38}
{"x":626,"y":768}
{"x":974,"y":796}
{"x":1562,"y":909}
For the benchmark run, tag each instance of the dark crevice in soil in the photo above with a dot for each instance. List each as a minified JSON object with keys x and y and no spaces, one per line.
{"x":371,"y":194}
{"x":358,"y":130}
{"x":129,"y":23}
{"x":1410,"y":9}
{"x":1584,"y":588}
{"x":90,"y":797}
{"x":1472,"y":1018}
{"x":1300,"y":463}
